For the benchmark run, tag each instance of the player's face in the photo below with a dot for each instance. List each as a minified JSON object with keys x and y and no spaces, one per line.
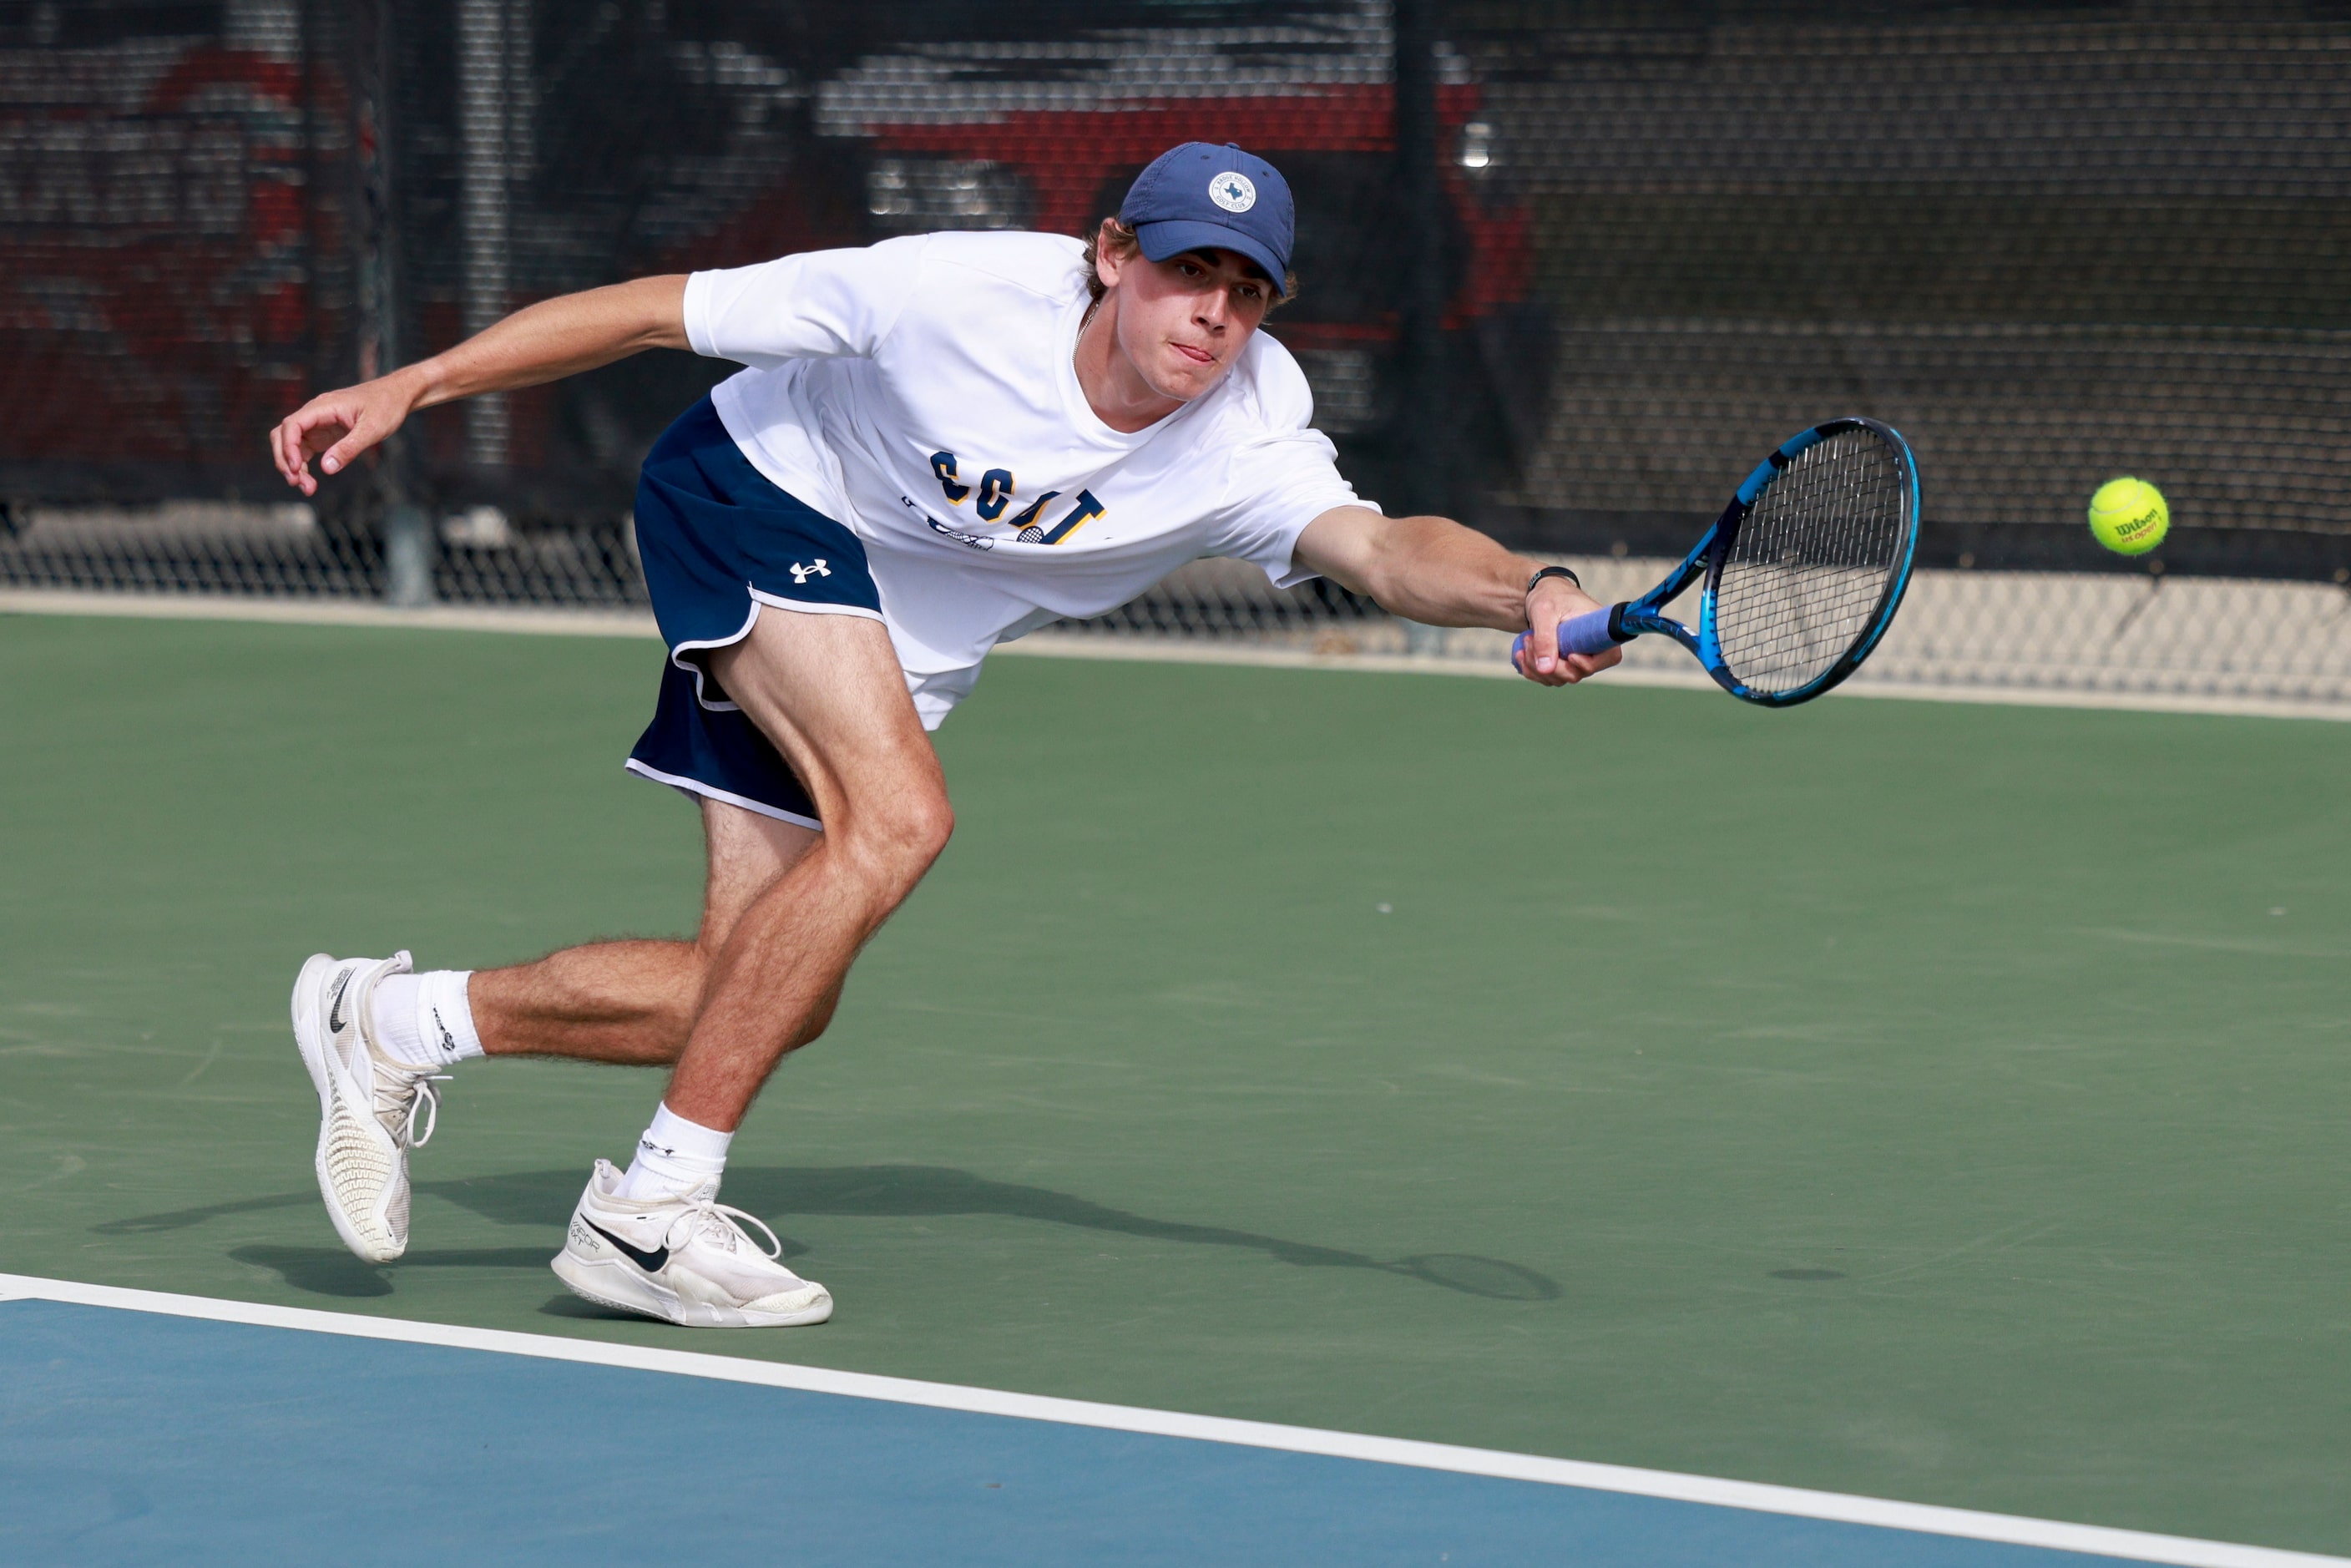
{"x":1182,"y":321}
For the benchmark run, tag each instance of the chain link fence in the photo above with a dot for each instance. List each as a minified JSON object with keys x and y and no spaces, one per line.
{"x":2196,"y":641}
{"x":2053,"y":243}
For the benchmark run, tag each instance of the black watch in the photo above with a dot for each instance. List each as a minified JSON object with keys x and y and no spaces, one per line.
{"x":1552,"y":571}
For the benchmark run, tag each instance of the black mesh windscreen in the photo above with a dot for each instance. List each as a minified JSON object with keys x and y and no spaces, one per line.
{"x":2051,"y":242}
{"x":1812,"y":566}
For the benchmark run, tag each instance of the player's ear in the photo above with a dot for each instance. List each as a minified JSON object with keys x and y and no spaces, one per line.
{"x":1110,"y":259}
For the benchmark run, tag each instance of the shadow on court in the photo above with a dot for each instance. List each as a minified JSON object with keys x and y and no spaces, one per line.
{"x":774,"y":1192}
{"x":332,"y":1272}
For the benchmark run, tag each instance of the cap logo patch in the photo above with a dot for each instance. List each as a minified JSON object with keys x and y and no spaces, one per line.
{"x":1234,"y":192}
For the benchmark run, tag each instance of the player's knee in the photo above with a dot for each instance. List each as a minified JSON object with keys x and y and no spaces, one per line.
{"x":924,"y":826}
{"x":897,"y":843}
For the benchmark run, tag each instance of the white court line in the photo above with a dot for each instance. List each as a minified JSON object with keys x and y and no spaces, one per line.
{"x":1077,"y":645}
{"x":1185,"y":651}
{"x":1074,"y":645}
{"x":326,"y":612}
{"x":1965,"y":1523}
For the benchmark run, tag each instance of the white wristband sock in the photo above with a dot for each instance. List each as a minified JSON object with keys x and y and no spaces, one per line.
{"x":674,"y":1157}
{"x":423,"y":1020}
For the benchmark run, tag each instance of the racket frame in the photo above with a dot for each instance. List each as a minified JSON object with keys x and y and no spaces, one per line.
{"x":1705,"y":559}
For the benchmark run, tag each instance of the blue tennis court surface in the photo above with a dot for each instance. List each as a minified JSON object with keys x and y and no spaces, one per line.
{"x":138,"y":1437}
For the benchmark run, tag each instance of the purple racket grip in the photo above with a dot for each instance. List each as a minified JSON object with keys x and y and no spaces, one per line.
{"x":1585,"y":633}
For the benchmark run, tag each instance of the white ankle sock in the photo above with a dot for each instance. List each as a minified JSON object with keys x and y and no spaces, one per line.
{"x":423,"y":1020}
{"x":674,"y":1156}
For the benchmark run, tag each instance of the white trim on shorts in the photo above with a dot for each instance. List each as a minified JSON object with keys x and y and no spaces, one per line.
{"x":709,"y":791}
{"x":757,"y":599}
{"x":696,"y":671}
{"x":763,"y":598}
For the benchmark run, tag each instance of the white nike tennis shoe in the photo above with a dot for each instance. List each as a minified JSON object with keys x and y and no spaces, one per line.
{"x":682,"y":1258}
{"x":368,"y":1106}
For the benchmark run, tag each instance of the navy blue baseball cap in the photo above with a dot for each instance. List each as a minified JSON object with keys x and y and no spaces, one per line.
{"x":1200,"y":196}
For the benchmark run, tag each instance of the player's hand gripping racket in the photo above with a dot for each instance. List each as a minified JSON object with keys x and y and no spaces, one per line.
{"x":1804,"y":570}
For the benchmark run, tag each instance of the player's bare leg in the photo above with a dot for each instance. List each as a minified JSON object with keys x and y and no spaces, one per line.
{"x":641,"y":1000}
{"x":633,"y":1003}
{"x":827,"y":690}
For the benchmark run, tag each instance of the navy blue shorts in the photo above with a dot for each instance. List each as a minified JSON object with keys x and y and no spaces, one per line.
{"x":718,"y":541}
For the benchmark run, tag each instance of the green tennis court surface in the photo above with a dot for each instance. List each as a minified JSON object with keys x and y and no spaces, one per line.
{"x":1929,"y":1102}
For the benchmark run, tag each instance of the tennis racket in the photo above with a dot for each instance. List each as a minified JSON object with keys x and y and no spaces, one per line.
{"x":1804,"y":571}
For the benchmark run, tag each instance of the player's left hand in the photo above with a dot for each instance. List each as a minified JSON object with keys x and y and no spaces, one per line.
{"x":1553,"y":601}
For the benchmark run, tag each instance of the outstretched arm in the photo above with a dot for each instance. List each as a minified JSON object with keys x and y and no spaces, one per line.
{"x":542,"y":342}
{"x":1434,"y":570}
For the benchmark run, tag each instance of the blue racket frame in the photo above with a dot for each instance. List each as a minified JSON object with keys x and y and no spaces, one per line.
{"x":1604,"y":629}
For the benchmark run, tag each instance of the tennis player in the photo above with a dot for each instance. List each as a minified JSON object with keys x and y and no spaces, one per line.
{"x":940,"y":442}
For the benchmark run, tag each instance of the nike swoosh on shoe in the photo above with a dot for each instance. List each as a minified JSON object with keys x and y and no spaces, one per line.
{"x":650,"y":1263}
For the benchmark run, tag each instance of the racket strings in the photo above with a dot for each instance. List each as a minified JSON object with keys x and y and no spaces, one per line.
{"x":1809,"y":569}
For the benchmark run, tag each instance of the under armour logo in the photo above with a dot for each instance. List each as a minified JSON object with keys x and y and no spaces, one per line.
{"x":803,"y":573}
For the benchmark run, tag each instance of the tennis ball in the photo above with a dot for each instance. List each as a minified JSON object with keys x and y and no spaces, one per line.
{"x":2130,"y":516}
